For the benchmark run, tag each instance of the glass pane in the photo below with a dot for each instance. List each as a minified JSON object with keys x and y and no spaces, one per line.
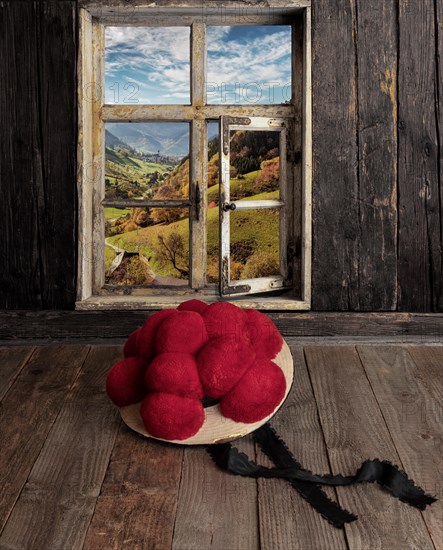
{"x":147,"y":246}
{"x":212,"y":274}
{"x":254,"y":164}
{"x":147,"y":65}
{"x":249,"y":64}
{"x":255,"y":243}
{"x":147,"y":160}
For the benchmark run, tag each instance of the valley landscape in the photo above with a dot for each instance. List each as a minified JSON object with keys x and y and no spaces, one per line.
{"x":150,"y":246}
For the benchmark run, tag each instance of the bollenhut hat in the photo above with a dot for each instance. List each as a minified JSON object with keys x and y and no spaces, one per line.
{"x":201,"y":374}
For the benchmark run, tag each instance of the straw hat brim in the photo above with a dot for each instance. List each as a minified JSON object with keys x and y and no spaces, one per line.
{"x":217,"y":428}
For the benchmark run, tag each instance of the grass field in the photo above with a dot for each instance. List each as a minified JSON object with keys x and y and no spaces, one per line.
{"x":258,"y":228}
{"x":112,"y":213}
{"x":240,"y":188}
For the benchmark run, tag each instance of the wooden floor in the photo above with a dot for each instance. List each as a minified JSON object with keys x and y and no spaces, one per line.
{"x":72,"y":476}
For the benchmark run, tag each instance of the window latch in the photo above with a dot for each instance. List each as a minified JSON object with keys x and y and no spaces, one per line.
{"x":197,"y":201}
{"x":229,"y":206}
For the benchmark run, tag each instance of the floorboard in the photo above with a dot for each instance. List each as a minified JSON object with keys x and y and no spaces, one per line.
{"x":429,"y":370}
{"x":215,"y":510}
{"x":414,"y":419}
{"x":11,"y":363}
{"x":137,"y":504}
{"x":57,"y":502}
{"x":28,"y":412}
{"x":354,"y":431}
{"x":286,"y":520}
{"x":73,"y":477}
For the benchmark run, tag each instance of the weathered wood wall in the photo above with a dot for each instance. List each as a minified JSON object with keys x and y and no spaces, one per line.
{"x":377,"y":95}
{"x":377,"y":155}
{"x":37,"y":154}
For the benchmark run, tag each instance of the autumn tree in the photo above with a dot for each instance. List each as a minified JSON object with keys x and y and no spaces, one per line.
{"x":166,"y":215}
{"x":171,"y":251}
{"x":268,"y":178}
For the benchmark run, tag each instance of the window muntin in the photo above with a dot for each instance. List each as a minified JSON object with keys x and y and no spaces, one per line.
{"x":198,"y":114}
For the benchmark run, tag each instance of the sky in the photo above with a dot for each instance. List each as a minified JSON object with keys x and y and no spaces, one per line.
{"x":247,"y":64}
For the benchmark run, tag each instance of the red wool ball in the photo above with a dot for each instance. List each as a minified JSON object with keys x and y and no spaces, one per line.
{"x":193,"y":305}
{"x":256,"y":395}
{"x":224,"y":319}
{"x":148,"y":332}
{"x":174,"y":373}
{"x":264,"y":336}
{"x":171,"y":417}
{"x":125,"y":383}
{"x":221,"y":364}
{"x":130,"y":347}
{"x":184,"y":332}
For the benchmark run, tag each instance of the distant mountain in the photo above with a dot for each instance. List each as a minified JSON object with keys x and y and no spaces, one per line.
{"x":112,"y":141}
{"x":170,"y":138}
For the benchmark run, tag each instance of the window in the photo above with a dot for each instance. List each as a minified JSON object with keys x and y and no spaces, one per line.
{"x":194,"y":156}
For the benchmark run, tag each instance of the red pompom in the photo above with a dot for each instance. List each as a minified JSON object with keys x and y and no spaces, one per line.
{"x":184,"y":332}
{"x":264,"y":336}
{"x":130,"y":347}
{"x":125,"y":383}
{"x":224,"y":319}
{"x":147,"y":336}
{"x":222,"y":363}
{"x":256,"y":395}
{"x":171,"y":417}
{"x":193,"y":305}
{"x":174,"y":373}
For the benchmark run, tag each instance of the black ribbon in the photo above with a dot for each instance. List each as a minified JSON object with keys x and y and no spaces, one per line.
{"x":389,"y":476}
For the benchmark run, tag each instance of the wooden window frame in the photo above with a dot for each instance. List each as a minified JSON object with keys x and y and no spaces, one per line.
{"x":93,"y":113}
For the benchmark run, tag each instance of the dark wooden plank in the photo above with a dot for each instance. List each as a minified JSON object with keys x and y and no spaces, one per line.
{"x":56,"y":504}
{"x":420,"y":238}
{"x":12,"y":360}
{"x":376,"y":35}
{"x":17,"y":325}
{"x":215,"y":509}
{"x":28,"y":412}
{"x":57,"y":120}
{"x":438,"y":290}
{"x":37,"y":154}
{"x":137,"y":504}
{"x":286,"y":520}
{"x":336,"y":230}
{"x":413,"y":418}
{"x":20,"y":276}
{"x":354,"y":431}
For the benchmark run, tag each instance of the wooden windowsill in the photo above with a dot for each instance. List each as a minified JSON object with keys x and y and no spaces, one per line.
{"x":284,"y":302}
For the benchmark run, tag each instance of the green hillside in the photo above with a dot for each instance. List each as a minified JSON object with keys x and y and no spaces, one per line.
{"x":253,"y":232}
{"x":130,"y":177}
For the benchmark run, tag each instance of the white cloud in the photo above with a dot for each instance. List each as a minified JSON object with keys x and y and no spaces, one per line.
{"x":160,"y":54}
{"x":157,"y":59}
{"x":261,"y":59}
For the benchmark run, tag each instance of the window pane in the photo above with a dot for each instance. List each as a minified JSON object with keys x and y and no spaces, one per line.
{"x":249,"y":64}
{"x":254,"y":164}
{"x":255,"y":243}
{"x":147,"y":65}
{"x":212,"y":274}
{"x":147,"y":160}
{"x":147,"y":246}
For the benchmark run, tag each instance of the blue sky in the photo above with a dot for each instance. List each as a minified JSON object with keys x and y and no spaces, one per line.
{"x":152,"y":64}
